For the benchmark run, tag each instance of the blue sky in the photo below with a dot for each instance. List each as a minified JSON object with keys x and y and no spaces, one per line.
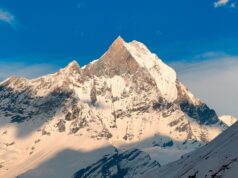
{"x":39,"y":37}
{"x":57,"y":31}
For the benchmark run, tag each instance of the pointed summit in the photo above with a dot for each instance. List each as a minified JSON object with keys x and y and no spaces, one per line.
{"x":117,"y":60}
{"x":124,"y":58}
{"x":117,"y":44}
{"x":72,"y":67}
{"x":119,"y":41}
{"x":73,"y":64}
{"x":119,"y":38}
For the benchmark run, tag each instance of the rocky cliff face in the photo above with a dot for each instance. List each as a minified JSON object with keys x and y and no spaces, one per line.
{"x":116,"y":61}
{"x":128,"y":98}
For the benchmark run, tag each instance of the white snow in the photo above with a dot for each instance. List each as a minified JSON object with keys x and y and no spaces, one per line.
{"x":117,"y":85}
{"x":164,"y":76}
{"x":228,"y":120}
{"x":92,"y":62}
{"x":18,"y":159}
{"x":4,"y":81}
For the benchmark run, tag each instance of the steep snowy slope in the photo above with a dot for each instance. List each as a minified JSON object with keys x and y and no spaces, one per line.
{"x":126,"y":99}
{"x":219,"y":158}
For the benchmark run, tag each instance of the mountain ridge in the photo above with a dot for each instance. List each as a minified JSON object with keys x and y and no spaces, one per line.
{"x":218,"y":158}
{"x":128,"y":98}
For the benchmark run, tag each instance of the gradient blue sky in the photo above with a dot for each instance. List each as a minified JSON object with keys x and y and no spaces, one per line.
{"x":40,"y":36}
{"x":52,"y":31}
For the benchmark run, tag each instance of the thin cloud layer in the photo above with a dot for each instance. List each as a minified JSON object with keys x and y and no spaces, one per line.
{"x":7,"y":17}
{"x":24,"y":70}
{"x":221,"y":3}
{"x":214,"y":81}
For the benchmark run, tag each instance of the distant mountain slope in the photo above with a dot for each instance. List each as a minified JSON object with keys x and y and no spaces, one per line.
{"x":128,"y":99}
{"x":219,"y":158}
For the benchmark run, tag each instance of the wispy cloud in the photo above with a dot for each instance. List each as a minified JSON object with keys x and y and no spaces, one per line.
{"x":233,"y":5}
{"x":214,"y":80}
{"x":8,"y":18}
{"x":80,"y":4}
{"x":221,"y":3}
{"x":29,"y":71}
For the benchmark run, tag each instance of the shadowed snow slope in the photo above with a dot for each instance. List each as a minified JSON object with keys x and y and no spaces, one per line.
{"x":219,"y":158}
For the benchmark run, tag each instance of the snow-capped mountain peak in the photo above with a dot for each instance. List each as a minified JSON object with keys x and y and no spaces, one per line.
{"x":128,"y":98}
{"x":164,"y":76}
{"x":117,"y":60}
{"x":130,"y":58}
{"x":119,"y":41}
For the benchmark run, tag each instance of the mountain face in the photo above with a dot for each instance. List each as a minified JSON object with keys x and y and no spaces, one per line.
{"x":127,"y":99}
{"x":219,"y":158}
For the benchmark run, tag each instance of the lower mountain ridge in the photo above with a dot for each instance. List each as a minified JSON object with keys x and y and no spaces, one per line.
{"x":219,"y":158}
{"x":122,"y":115}
{"x":131,"y":163}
